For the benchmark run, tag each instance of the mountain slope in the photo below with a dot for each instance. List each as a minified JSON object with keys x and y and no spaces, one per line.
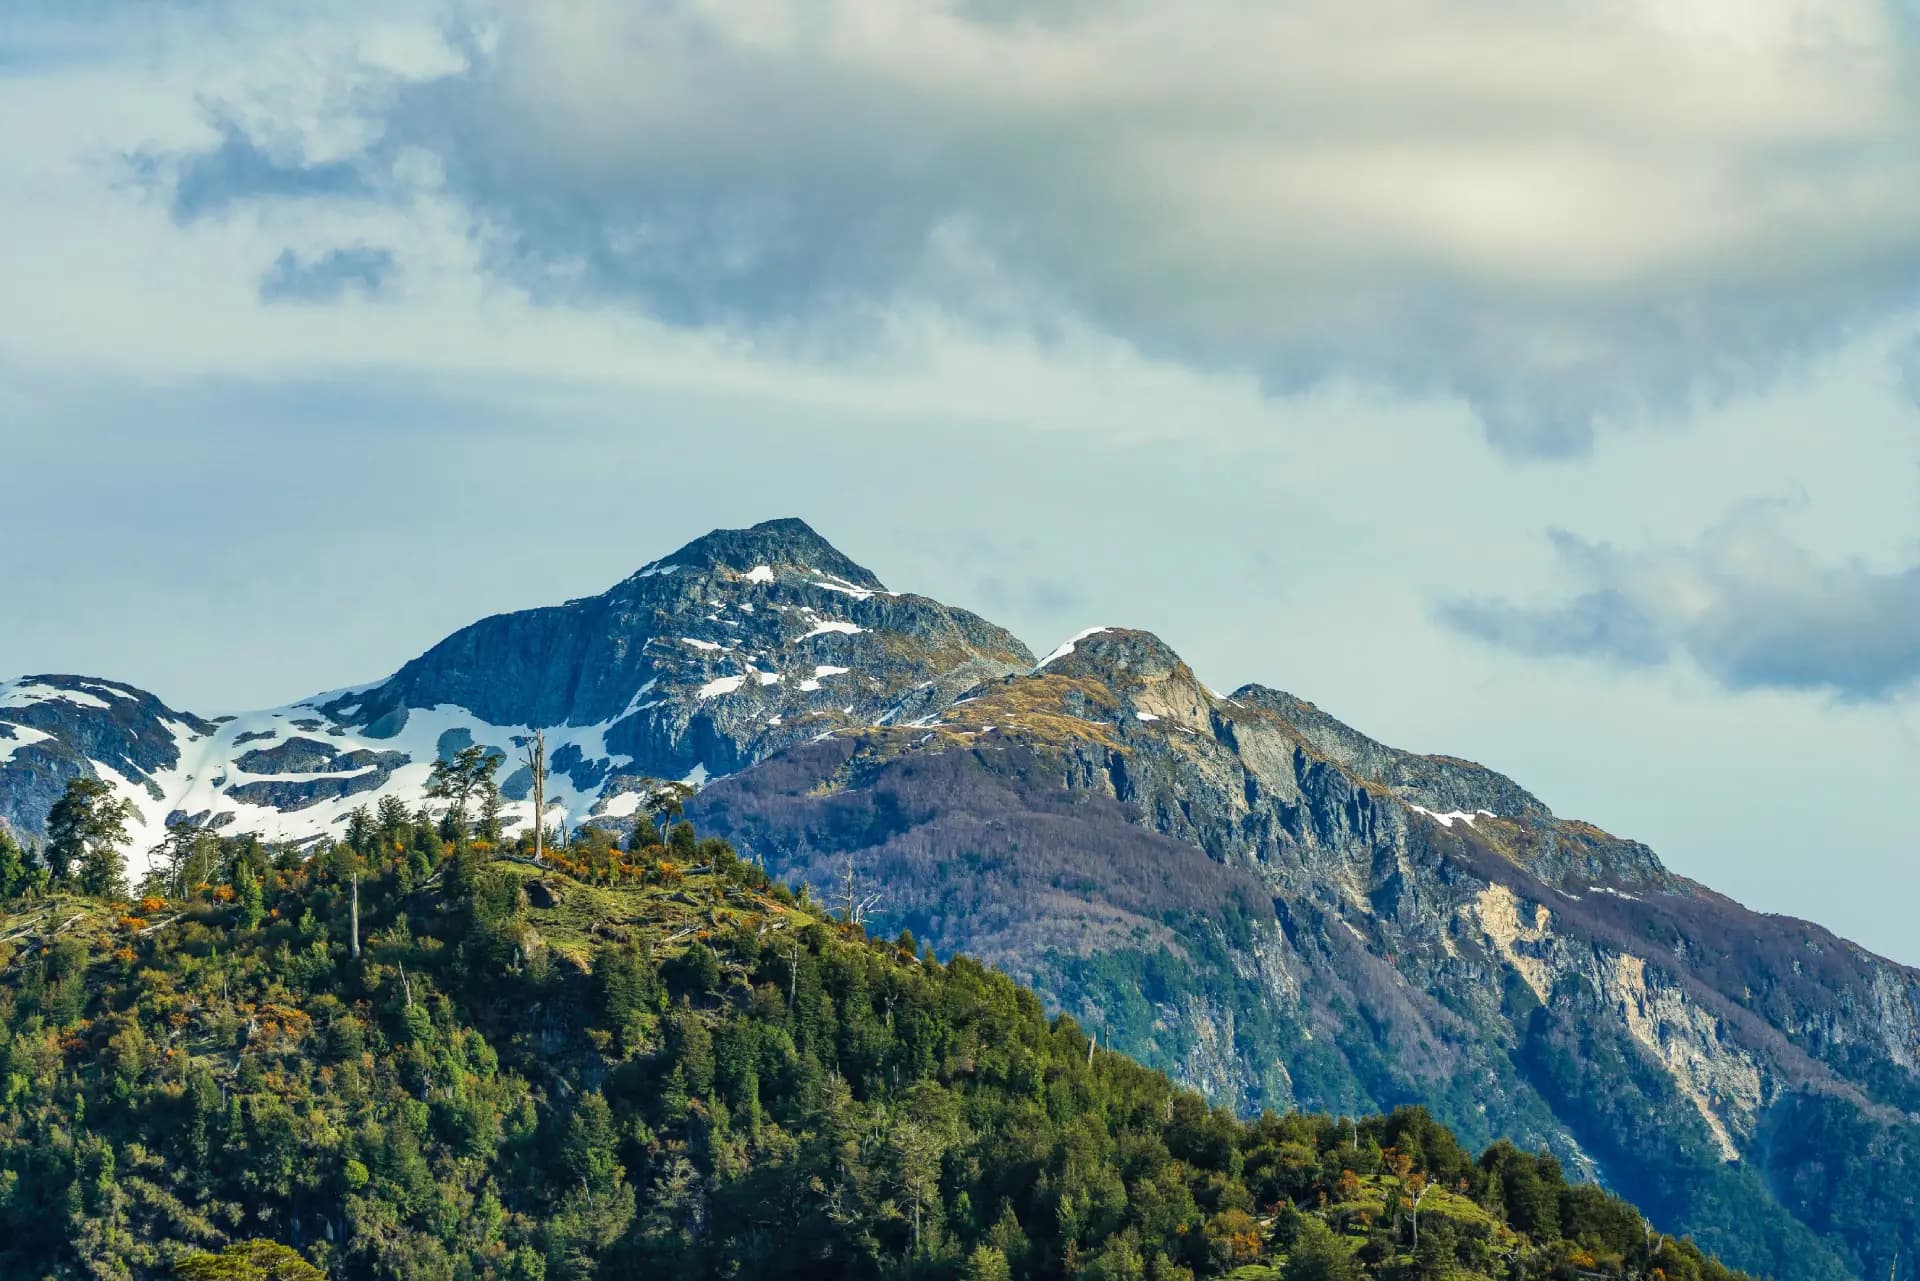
{"x":665,"y":1071}
{"x":740,"y":644}
{"x":1375,"y":927}
{"x":1240,"y":889}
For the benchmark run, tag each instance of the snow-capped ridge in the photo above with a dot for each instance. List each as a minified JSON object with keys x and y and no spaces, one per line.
{"x":1066,"y":646}
{"x":703,"y":662}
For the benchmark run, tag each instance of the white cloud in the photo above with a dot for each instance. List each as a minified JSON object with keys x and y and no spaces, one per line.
{"x":1565,"y":216}
{"x":1753,"y":608}
{"x":1562,"y":213}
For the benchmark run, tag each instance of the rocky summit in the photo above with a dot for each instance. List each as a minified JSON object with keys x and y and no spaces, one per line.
{"x":1238,"y":886}
{"x":738,"y":645}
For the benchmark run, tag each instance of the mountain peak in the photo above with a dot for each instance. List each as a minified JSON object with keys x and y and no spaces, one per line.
{"x":1116,"y":653}
{"x":787,"y":541}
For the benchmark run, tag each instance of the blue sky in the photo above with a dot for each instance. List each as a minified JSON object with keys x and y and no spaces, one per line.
{"x":1539,"y":384}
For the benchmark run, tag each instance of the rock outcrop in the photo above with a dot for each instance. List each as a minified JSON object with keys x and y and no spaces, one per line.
{"x":1238,"y":887}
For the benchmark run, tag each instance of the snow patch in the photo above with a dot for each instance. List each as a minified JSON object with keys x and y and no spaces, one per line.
{"x":1145,"y":716}
{"x":834,"y":583}
{"x":1447,"y":819}
{"x":15,"y":737}
{"x":835,"y":625}
{"x":28,"y":693}
{"x":621,"y":806}
{"x":205,"y":768}
{"x":1066,"y":646}
{"x":109,"y":691}
{"x":724,"y":685}
{"x":760,"y":574}
{"x":699,"y":644}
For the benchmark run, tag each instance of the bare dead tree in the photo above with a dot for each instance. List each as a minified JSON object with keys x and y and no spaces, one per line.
{"x":858,"y":906}
{"x":535,"y":759}
{"x":1418,"y":1198}
{"x":353,"y":937}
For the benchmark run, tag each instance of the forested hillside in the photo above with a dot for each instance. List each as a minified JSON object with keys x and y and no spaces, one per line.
{"x":418,"y":1055}
{"x":1239,"y":888}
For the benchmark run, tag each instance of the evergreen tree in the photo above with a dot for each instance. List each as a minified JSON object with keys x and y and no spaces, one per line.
{"x":186,"y":859}
{"x":390,"y":816}
{"x":360,"y":828}
{"x":86,"y":829}
{"x":491,"y":808}
{"x":457,"y":779}
{"x":15,"y":873}
{"x":248,"y":897}
{"x":1318,"y":1255}
{"x":987,"y":1264}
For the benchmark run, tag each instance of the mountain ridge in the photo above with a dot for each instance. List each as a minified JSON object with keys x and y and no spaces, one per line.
{"x":1277,"y":907}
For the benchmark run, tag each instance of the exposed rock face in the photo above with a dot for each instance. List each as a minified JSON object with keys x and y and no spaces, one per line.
{"x":1431,"y":932}
{"x":54,"y":729}
{"x":742,"y":643}
{"x":1240,"y":888}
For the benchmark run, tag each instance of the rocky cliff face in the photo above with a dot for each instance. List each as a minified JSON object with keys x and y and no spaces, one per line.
{"x":740,"y":644}
{"x":54,"y":729}
{"x":1240,"y":888}
{"x":1375,"y":927}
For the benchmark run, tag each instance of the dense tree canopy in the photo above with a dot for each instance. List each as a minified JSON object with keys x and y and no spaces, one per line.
{"x":651,"y":1061}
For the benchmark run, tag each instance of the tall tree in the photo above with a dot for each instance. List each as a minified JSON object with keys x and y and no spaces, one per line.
{"x":187,"y":858}
{"x":393,"y":820}
{"x":360,"y":830}
{"x":535,"y":759}
{"x":1319,"y":1255}
{"x":15,"y":874}
{"x":86,"y":829}
{"x":491,"y":807}
{"x":457,"y":779}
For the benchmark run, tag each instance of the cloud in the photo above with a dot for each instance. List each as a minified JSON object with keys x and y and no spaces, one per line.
{"x":1569,"y":216}
{"x":1745,"y":603}
{"x":240,"y":168}
{"x":1906,"y":366}
{"x":329,"y":276}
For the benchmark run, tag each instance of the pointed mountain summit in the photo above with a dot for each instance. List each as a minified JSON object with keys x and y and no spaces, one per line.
{"x":1277,"y":907}
{"x":738,"y":645}
{"x":788,"y":543}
